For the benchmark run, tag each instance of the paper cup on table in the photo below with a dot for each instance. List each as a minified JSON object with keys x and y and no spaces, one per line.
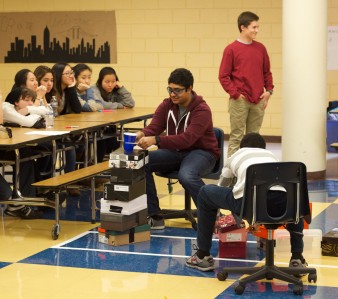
{"x":129,"y":141}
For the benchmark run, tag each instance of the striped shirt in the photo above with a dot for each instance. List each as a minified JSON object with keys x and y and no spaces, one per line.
{"x":238,"y":163}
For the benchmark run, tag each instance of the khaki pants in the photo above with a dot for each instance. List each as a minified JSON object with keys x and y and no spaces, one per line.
{"x":245,"y":117}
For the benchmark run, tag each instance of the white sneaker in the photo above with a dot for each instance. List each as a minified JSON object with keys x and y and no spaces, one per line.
{"x":297,"y":263}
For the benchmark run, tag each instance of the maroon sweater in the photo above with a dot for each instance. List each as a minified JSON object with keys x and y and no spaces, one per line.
{"x":245,"y":69}
{"x":193,"y":131}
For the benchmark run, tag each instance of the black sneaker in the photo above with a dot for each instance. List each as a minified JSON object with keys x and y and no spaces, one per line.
{"x":24,"y":212}
{"x":156,"y":222}
{"x":50,"y":195}
{"x":74,"y":192}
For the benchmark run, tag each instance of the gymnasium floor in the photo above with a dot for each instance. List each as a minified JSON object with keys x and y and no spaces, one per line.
{"x":34,"y":266}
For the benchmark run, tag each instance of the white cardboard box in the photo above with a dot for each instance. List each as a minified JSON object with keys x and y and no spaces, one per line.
{"x":136,"y":155}
{"x":128,"y":164}
{"x":312,"y":242}
{"x":124,"y":207}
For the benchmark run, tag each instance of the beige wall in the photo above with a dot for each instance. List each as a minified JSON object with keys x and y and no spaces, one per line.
{"x":156,"y":36}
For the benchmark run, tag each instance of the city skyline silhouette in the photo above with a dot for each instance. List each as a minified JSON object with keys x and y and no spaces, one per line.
{"x":54,"y":50}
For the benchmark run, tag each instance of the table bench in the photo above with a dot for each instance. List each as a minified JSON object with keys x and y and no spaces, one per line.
{"x":61,"y":182}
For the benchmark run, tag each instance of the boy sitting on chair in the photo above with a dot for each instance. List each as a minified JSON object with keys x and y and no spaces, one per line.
{"x":211,"y":198}
{"x":188,"y":146}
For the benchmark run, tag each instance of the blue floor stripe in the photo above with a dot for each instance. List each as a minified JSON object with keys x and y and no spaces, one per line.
{"x":3,"y":264}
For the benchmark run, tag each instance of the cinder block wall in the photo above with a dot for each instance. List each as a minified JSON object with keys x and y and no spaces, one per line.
{"x":156,"y":36}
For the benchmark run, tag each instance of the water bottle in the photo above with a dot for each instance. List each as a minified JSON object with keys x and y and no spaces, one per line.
{"x":49,"y":117}
{"x":54,"y":104}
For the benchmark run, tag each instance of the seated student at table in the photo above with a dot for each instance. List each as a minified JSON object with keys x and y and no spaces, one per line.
{"x":68,"y":102}
{"x":211,"y":198}
{"x":90,"y":103}
{"x":113,"y":95}
{"x":45,"y":77}
{"x":111,"y":92}
{"x":83,"y":76}
{"x":189,"y":145}
{"x":25,"y":178}
{"x":19,"y":110}
{"x":26,"y":78}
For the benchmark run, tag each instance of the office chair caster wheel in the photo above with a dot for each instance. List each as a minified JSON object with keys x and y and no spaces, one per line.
{"x":312,"y":277}
{"x":239,"y":289}
{"x":222,"y":276}
{"x":298,"y":289}
{"x":55,"y":232}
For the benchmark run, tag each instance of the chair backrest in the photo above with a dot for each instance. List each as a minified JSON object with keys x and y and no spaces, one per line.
{"x":260,"y":178}
{"x":216,"y":172}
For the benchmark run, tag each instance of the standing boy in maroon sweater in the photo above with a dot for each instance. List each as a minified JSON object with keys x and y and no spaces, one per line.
{"x":182,"y":129}
{"x":245,"y":75}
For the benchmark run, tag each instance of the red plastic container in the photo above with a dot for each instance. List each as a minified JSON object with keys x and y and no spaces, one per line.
{"x":232,"y":249}
{"x":232,"y":244}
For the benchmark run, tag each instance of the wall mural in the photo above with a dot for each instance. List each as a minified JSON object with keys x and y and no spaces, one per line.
{"x":83,"y":36}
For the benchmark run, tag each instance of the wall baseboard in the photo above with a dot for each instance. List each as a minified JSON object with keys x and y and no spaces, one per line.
{"x":270,"y":139}
{"x":316,"y":175}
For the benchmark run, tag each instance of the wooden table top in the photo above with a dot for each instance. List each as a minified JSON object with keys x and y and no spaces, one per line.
{"x":76,"y":127}
{"x":112,"y":117}
{"x":88,"y":121}
{"x":21,"y":138}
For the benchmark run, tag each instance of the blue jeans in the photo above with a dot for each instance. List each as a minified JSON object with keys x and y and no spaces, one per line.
{"x":71,"y":156}
{"x":211,"y":198}
{"x":191,"y":166}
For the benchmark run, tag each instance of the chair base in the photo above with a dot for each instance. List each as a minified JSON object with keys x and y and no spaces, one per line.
{"x":188,"y":214}
{"x":269,"y":271}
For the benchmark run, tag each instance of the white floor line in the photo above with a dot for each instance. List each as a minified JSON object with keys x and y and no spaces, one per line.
{"x":73,"y":239}
{"x":58,"y":246}
{"x":185,"y":256}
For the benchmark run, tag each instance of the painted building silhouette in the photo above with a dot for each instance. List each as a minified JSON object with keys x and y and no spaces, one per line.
{"x":53,"y":51}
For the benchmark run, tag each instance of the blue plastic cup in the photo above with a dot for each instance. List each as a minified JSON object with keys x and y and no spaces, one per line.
{"x":129,"y":141}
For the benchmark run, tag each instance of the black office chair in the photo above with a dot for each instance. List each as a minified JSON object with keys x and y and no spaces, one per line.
{"x":260,"y":178}
{"x":188,"y":213}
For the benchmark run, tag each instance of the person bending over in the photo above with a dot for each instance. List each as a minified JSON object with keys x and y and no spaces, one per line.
{"x":211,"y":198}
